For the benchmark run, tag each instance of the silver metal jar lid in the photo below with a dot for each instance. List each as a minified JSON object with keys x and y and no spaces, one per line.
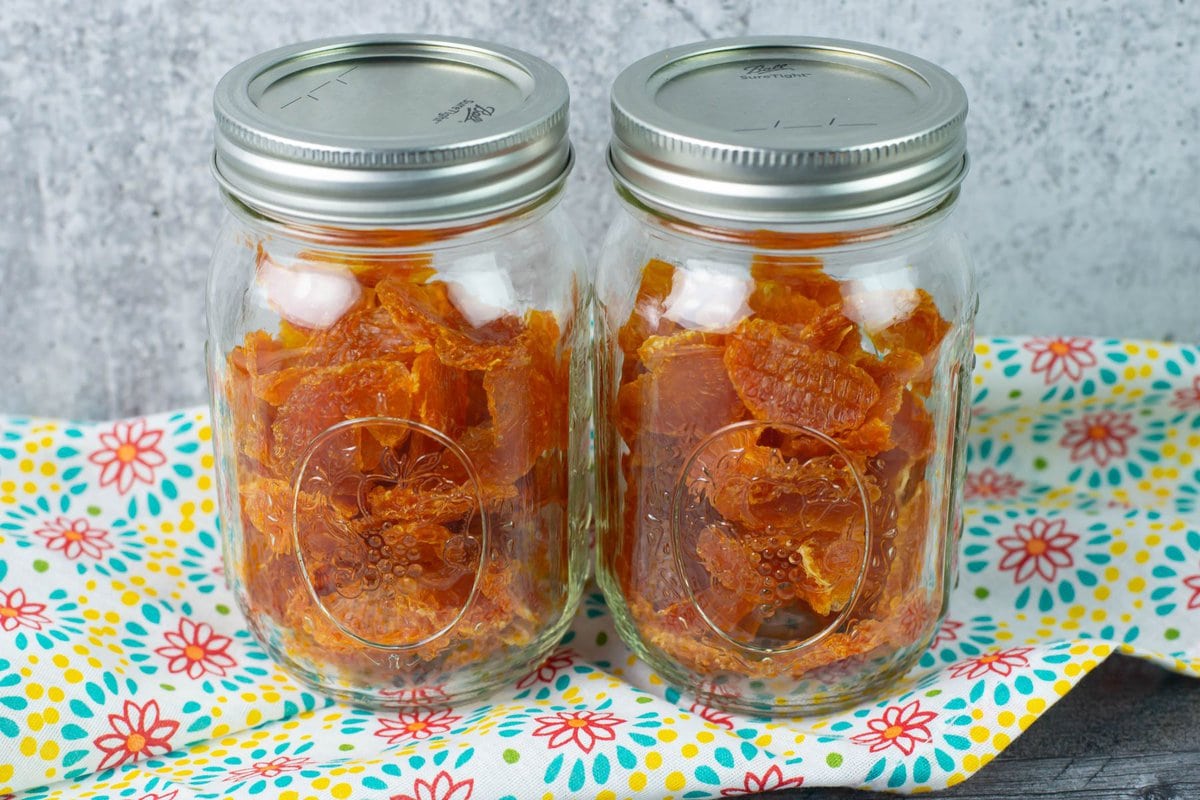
{"x":779,"y":129}
{"x":371,"y":130}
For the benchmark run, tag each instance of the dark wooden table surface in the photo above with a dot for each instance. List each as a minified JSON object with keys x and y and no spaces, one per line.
{"x":1129,"y":730}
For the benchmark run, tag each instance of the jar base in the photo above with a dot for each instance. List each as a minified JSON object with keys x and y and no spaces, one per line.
{"x":880,"y":684}
{"x":886,"y":678}
{"x":458,"y":689}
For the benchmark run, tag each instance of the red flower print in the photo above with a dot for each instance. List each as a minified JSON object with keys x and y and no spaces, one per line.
{"x":1001,"y":662}
{"x":267,"y":769}
{"x":771,"y":779}
{"x":442,"y":788}
{"x":990,"y":485}
{"x":1043,"y":547}
{"x":1192,"y":582}
{"x":130,"y":453}
{"x":549,"y":669}
{"x":171,"y":795}
{"x":913,"y":619}
{"x":136,"y":733}
{"x":583,"y":728}
{"x":900,"y":726}
{"x":18,"y":612}
{"x":197,"y":650}
{"x":416,"y":725}
{"x":416,"y":696}
{"x":713,"y":715}
{"x":75,"y":538}
{"x":1187,"y":399}
{"x":1061,"y":356}
{"x":1100,"y":437}
{"x":947,"y":633}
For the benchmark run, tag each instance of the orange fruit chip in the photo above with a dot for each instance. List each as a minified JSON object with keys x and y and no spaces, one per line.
{"x":921,"y":331}
{"x":780,"y":378}
{"x":436,"y":498}
{"x":440,"y":395}
{"x":818,"y":569}
{"x":267,"y":505}
{"x":370,"y":270}
{"x":647,"y":318}
{"x":426,"y":314}
{"x":801,"y":275}
{"x":420,"y":311}
{"x":541,"y":339}
{"x":892,"y":374}
{"x":830,"y":329}
{"x":656,"y":349}
{"x":779,"y":303}
{"x":365,"y":332}
{"x":912,"y":427}
{"x":331,"y":395}
{"x":763,"y":491}
{"x":420,"y":573}
{"x":522,"y":426}
{"x":524,"y":423}
{"x":686,"y":390}
{"x":260,"y":354}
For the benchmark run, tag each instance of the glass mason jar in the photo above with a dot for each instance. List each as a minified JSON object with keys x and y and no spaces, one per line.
{"x":783,"y":352}
{"x":398,"y":342}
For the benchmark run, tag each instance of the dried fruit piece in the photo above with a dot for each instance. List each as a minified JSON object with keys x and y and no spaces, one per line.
{"x":426,"y":314}
{"x":520,"y":425}
{"x":649,"y":308}
{"x":686,"y":389}
{"x":892,"y":374}
{"x":830,"y":329}
{"x":419,"y":311}
{"x":921,"y":330}
{"x":781,"y":378}
{"x":440,"y":395}
{"x":407,"y":504}
{"x":778,"y":302}
{"x":331,"y":395}
{"x":802,"y":275}
{"x":912,"y":427}
{"x":260,"y":354}
{"x":369,"y":270}
{"x":761,"y":490}
{"x":818,"y":568}
{"x":267,"y":506}
{"x":419,"y":573}
{"x":525,"y":417}
{"x":365,"y":332}
{"x":256,"y":371}
{"x":655,"y":349}
{"x":541,"y":338}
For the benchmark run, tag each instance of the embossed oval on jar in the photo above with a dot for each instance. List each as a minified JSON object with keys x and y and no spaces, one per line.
{"x":389,"y":529}
{"x":775,"y":521}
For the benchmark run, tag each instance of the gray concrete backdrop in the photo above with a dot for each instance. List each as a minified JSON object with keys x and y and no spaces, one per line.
{"x":1082,"y":206}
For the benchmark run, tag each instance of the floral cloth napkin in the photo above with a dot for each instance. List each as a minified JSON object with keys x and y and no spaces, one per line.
{"x":126,"y":671}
